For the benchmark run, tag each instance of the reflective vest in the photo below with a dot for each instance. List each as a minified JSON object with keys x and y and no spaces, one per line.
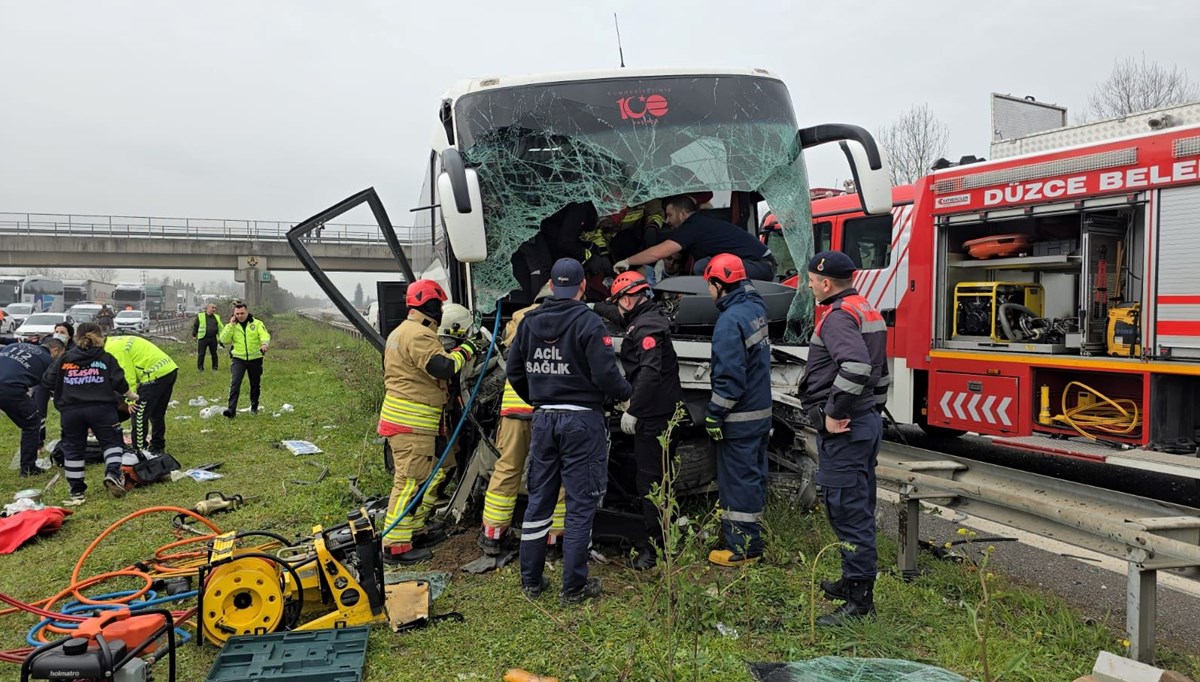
{"x":202,"y":321}
{"x":511,"y":404}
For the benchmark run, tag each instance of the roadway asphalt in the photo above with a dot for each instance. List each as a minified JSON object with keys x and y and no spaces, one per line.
{"x":1095,"y":587}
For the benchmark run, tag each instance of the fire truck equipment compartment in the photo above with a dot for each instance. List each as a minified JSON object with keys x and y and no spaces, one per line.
{"x":977,"y":307}
{"x":982,"y":403}
{"x":997,"y":246}
{"x":1124,"y":330}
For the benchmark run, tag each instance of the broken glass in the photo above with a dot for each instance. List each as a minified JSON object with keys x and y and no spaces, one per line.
{"x":617,"y":143}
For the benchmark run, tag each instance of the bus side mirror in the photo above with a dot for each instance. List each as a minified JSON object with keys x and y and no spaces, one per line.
{"x":868,"y":164}
{"x":462,"y":209}
{"x":874,"y":186}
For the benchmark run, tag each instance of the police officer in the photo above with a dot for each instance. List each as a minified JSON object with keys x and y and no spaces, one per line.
{"x":513,"y":432}
{"x":22,"y":366}
{"x":205,"y":329}
{"x":248,"y":341}
{"x":652,"y":368}
{"x":844,"y":390}
{"x":738,"y":415}
{"x":416,"y":375}
{"x":150,"y":373}
{"x":562,"y":362}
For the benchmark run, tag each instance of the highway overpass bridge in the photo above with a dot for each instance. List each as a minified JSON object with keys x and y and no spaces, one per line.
{"x":78,"y":241}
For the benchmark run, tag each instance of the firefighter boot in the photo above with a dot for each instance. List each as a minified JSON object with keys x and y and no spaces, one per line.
{"x":860,"y":603}
{"x":490,"y":546}
{"x":405,"y":555}
{"x":835,"y":589}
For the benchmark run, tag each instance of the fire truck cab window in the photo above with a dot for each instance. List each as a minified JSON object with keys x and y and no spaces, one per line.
{"x":822,"y":236}
{"x":868,"y":241}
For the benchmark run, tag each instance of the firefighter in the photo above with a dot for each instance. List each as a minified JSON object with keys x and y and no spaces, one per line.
{"x":843,"y":391}
{"x":513,"y":432}
{"x":650,"y":364}
{"x":738,"y":415}
{"x":562,"y":362}
{"x":416,"y":375}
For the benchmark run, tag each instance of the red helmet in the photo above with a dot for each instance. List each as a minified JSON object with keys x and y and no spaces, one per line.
{"x":628,"y":282}
{"x":725,"y":268}
{"x":422,"y":291}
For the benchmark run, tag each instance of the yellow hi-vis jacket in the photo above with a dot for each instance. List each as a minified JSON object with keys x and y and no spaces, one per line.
{"x":511,"y":404}
{"x":245,"y":340}
{"x":414,"y":398}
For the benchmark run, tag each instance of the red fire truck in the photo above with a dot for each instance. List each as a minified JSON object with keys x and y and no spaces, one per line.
{"x":1050,"y":300}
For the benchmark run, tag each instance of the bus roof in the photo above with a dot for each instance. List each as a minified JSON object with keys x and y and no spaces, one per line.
{"x":464,"y":87}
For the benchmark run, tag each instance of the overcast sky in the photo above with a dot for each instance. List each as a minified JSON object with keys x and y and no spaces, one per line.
{"x":274,"y":110}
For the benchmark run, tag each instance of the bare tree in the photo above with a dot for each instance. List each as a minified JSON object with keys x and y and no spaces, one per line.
{"x":912,"y":143}
{"x":101,"y":275}
{"x":1140,"y":85}
{"x":55,"y":273}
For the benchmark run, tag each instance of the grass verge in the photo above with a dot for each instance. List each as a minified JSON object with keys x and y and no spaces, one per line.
{"x":333,"y":382}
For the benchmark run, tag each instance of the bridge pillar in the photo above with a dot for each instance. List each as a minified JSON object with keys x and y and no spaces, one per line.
{"x":252,"y":286}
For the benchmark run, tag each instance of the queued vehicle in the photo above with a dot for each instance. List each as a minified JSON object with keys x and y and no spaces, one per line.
{"x":40,"y":325}
{"x":131,"y":321}
{"x":18,"y":312}
{"x":84,"y":312}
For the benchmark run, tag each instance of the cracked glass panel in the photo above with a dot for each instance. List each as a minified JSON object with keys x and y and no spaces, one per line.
{"x":617,"y":143}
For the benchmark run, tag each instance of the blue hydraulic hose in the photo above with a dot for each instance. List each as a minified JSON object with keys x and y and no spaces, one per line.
{"x":76,"y":607}
{"x":453,"y":437}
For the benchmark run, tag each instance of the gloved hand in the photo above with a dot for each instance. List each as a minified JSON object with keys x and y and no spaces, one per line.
{"x":628,"y":424}
{"x":713,"y":426}
{"x":623,"y":406}
{"x":468,"y":347}
{"x":621,"y":266}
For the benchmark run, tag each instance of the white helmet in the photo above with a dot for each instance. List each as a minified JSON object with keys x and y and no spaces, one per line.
{"x":457,"y":321}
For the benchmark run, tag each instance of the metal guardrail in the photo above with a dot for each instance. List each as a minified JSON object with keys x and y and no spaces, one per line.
{"x":1149,"y":535}
{"x":332,"y":321}
{"x":193,"y":228}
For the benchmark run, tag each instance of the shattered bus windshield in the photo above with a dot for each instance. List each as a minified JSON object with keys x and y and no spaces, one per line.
{"x":612,"y":144}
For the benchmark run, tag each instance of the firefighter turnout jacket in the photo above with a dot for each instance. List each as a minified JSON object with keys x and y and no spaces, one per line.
{"x":416,"y":375}
{"x":566,"y":347}
{"x":247,"y":338}
{"x":650,"y":363}
{"x":847,"y":373}
{"x":511,"y":404}
{"x":741,"y":365}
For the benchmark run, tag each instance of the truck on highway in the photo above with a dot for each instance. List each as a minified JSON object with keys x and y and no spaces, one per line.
{"x":86,"y":290}
{"x":508,"y":155}
{"x":129,"y":295}
{"x":161,"y":301}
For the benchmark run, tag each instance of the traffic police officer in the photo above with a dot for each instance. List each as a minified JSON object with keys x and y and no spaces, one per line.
{"x":652,"y":368}
{"x":416,"y":375}
{"x":562,"y":362}
{"x":512,"y":440}
{"x":738,"y":415}
{"x":206,"y":328}
{"x":844,"y":390}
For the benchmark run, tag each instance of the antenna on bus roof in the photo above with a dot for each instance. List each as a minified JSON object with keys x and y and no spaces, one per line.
{"x":620,"y":50}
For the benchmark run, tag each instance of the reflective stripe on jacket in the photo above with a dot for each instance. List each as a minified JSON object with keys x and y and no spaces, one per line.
{"x":511,"y":404}
{"x":741,"y":365}
{"x":413,"y":398}
{"x":847,"y":371}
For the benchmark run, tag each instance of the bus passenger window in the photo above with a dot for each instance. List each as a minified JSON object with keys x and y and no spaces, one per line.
{"x":868,"y":241}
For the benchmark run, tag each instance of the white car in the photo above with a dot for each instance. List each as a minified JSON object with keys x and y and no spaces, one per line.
{"x":39,"y":325}
{"x":18,"y":312}
{"x":131,"y":321}
{"x":84,"y":312}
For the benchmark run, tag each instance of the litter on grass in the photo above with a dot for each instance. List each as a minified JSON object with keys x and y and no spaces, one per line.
{"x":300,"y":447}
{"x":198,"y":401}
